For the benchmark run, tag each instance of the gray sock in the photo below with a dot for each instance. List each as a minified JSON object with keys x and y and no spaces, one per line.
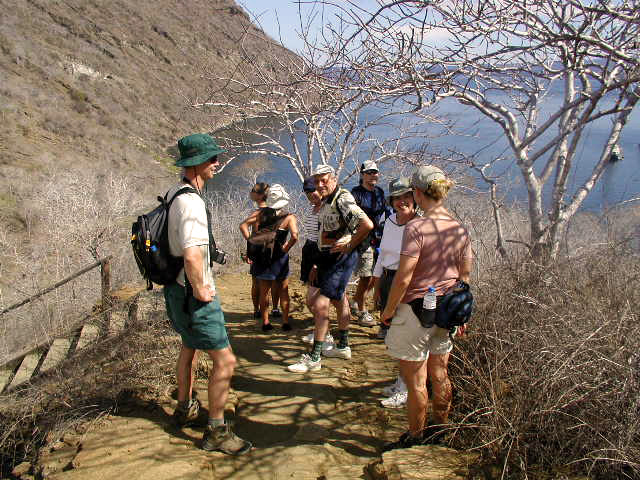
{"x":316,"y":350}
{"x":215,"y":422}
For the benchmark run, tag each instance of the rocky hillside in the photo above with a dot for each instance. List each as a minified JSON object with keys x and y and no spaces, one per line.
{"x":107,"y":85}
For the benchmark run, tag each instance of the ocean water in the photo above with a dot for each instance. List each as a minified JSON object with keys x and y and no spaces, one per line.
{"x":474,"y":135}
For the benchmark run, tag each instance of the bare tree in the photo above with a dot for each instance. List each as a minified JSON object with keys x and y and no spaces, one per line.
{"x":542,"y":71}
{"x":297,"y":108}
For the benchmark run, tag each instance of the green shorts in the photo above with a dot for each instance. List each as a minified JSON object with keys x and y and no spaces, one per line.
{"x":203,"y":328}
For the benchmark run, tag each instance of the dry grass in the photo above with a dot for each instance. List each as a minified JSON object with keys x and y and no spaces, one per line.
{"x":547,"y":383}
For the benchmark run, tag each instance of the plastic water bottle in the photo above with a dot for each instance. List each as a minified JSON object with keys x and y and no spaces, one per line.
{"x":429,"y":301}
{"x":428,"y":314}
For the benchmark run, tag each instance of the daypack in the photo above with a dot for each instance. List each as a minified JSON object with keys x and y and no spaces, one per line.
{"x":150,"y":243}
{"x":261,"y":243}
{"x":366,"y":242}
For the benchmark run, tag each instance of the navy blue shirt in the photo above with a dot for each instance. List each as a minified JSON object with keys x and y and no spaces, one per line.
{"x":376,"y":208}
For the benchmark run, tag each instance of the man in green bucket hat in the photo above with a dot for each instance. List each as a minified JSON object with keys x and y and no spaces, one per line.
{"x":192,"y":303}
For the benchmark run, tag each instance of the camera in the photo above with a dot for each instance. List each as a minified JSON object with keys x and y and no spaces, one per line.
{"x":219,"y":256}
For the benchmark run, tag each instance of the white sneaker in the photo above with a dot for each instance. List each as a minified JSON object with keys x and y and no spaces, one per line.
{"x":396,"y":400}
{"x":395,"y":387}
{"x":367,"y":320}
{"x":336,"y":352}
{"x":328,"y":341}
{"x":306,"y":364}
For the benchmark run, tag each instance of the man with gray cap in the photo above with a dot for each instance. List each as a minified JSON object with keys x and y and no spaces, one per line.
{"x":342,"y":226}
{"x":192,"y":304}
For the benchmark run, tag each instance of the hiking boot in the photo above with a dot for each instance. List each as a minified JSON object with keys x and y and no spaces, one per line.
{"x":306,"y":364}
{"x":397,"y":400}
{"x":257,"y":314}
{"x":183,"y":418}
{"x":397,"y":386}
{"x":367,"y":320}
{"x":222,"y":439}
{"x":336,"y":352}
{"x":275,"y":313}
{"x":267,"y":327}
{"x":405,"y":441}
{"x":433,"y":434}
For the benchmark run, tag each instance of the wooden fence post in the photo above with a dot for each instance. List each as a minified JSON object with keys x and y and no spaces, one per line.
{"x":132,"y":318}
{"x":105,"y":270}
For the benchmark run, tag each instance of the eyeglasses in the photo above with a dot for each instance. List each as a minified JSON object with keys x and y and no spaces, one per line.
{"x":371,"y":172}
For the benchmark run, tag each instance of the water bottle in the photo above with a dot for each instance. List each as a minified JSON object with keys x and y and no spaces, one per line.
{"x":428,"y":314}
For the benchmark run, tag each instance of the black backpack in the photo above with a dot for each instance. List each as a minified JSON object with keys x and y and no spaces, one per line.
{"x":261,"y":243}
{"x":150,"y":243}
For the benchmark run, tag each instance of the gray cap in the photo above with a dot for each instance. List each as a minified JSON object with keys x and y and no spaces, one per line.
{"x":324,"y":168}
{"x":397,"y":187}
{"x":369,"y":165}
{"x":424,"y":175}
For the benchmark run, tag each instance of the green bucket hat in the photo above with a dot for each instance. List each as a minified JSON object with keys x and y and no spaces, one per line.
{"x":196,"y":149}
{"x":397,"y":187}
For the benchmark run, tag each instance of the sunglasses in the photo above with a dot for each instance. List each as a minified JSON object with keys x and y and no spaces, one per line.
{"x":371,"y":172}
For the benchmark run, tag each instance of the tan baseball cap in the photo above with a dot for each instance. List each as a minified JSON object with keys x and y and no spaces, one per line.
{"x":424,"y":175}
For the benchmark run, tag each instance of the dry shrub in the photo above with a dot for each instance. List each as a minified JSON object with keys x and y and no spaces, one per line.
{"x":92,"y":383}
{"x":547,"y":382}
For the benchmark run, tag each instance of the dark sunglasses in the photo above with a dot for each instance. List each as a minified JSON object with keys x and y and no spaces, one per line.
{"x":371,"y":172}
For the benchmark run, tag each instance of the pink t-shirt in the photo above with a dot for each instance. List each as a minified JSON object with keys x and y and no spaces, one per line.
{"x":440,"y":244}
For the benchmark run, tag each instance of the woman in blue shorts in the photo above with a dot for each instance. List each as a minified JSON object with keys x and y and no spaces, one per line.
{"x":272,"y":271}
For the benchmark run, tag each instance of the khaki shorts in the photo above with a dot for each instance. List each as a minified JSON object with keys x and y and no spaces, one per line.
{"x":364,"y":268}
{"x":408,"y":340}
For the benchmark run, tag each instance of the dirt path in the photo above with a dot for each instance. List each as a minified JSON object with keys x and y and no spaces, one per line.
{"x":322,"y":425}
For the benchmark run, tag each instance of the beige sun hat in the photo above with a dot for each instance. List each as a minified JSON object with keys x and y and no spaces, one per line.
{"x":324,"y":168}
{"x":277,"y":197}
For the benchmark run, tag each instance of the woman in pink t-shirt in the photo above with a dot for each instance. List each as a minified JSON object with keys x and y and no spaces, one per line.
{"x":436,"y":252}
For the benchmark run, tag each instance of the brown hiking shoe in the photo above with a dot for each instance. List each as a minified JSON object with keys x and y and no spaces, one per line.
{"x":221,"y":438}
{"x":183,"y":418}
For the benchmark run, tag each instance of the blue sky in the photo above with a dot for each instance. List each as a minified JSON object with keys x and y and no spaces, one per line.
{"x":280,"y":19}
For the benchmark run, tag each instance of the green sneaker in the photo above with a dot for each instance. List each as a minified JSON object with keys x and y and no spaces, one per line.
{"x":222,"y":439}
{"x":184,"y":418}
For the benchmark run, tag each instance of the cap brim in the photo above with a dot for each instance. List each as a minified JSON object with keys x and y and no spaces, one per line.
{"x":198,"y":159}
{"x":397,"y":194}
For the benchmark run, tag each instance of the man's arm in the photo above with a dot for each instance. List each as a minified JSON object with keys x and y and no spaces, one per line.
{"x":364,"y":227}
{"x":399,"y":286}
{"x":193,"y":270}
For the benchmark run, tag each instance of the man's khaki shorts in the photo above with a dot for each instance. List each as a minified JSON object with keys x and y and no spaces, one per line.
{"x":364,"y":268}
{"x":408,"y":340}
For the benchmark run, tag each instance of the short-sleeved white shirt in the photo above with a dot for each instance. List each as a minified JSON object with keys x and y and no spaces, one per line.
{"x":188,"y":228}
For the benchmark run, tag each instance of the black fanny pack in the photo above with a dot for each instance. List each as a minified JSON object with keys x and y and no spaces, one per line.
{"x":452,"y":310}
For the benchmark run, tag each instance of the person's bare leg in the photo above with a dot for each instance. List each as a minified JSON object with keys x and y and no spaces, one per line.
{"x":224,"y":363}
{"x":276,"y":296}
{"x":321,"y":317}
{"x":255,"y":293}
{"x":285,"y":301}
{"x":414,"y":375}
{"x":441,"y":387}
{"x":343,"y":311}
{"x":361,"y":290}
{"x":312,"y":294}
{"x":185,"y":367}
{"x":265,"y":286}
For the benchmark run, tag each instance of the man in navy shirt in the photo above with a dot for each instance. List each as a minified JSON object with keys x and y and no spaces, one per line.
{"x":369,"y":198}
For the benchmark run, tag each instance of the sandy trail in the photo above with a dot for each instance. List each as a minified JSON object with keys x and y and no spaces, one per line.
{"x":326,"y":424}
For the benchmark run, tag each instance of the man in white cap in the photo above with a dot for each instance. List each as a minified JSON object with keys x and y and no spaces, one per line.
{"x":369,"y":198}
{"x":342,"y":226}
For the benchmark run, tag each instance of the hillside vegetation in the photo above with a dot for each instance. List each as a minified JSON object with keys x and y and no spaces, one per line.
{"x":89,"y":89}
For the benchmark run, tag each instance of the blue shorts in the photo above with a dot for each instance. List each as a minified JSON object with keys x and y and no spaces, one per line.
{"x":203,"y":328}
{"x":334,"y":272}
{"x":277,"y":270}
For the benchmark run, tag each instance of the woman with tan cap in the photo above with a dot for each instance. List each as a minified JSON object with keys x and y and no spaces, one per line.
{"x":274,"y":269}
{"x":435,"y":254}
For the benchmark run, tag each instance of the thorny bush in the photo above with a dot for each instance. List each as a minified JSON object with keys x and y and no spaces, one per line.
{"x":547,"y":381}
